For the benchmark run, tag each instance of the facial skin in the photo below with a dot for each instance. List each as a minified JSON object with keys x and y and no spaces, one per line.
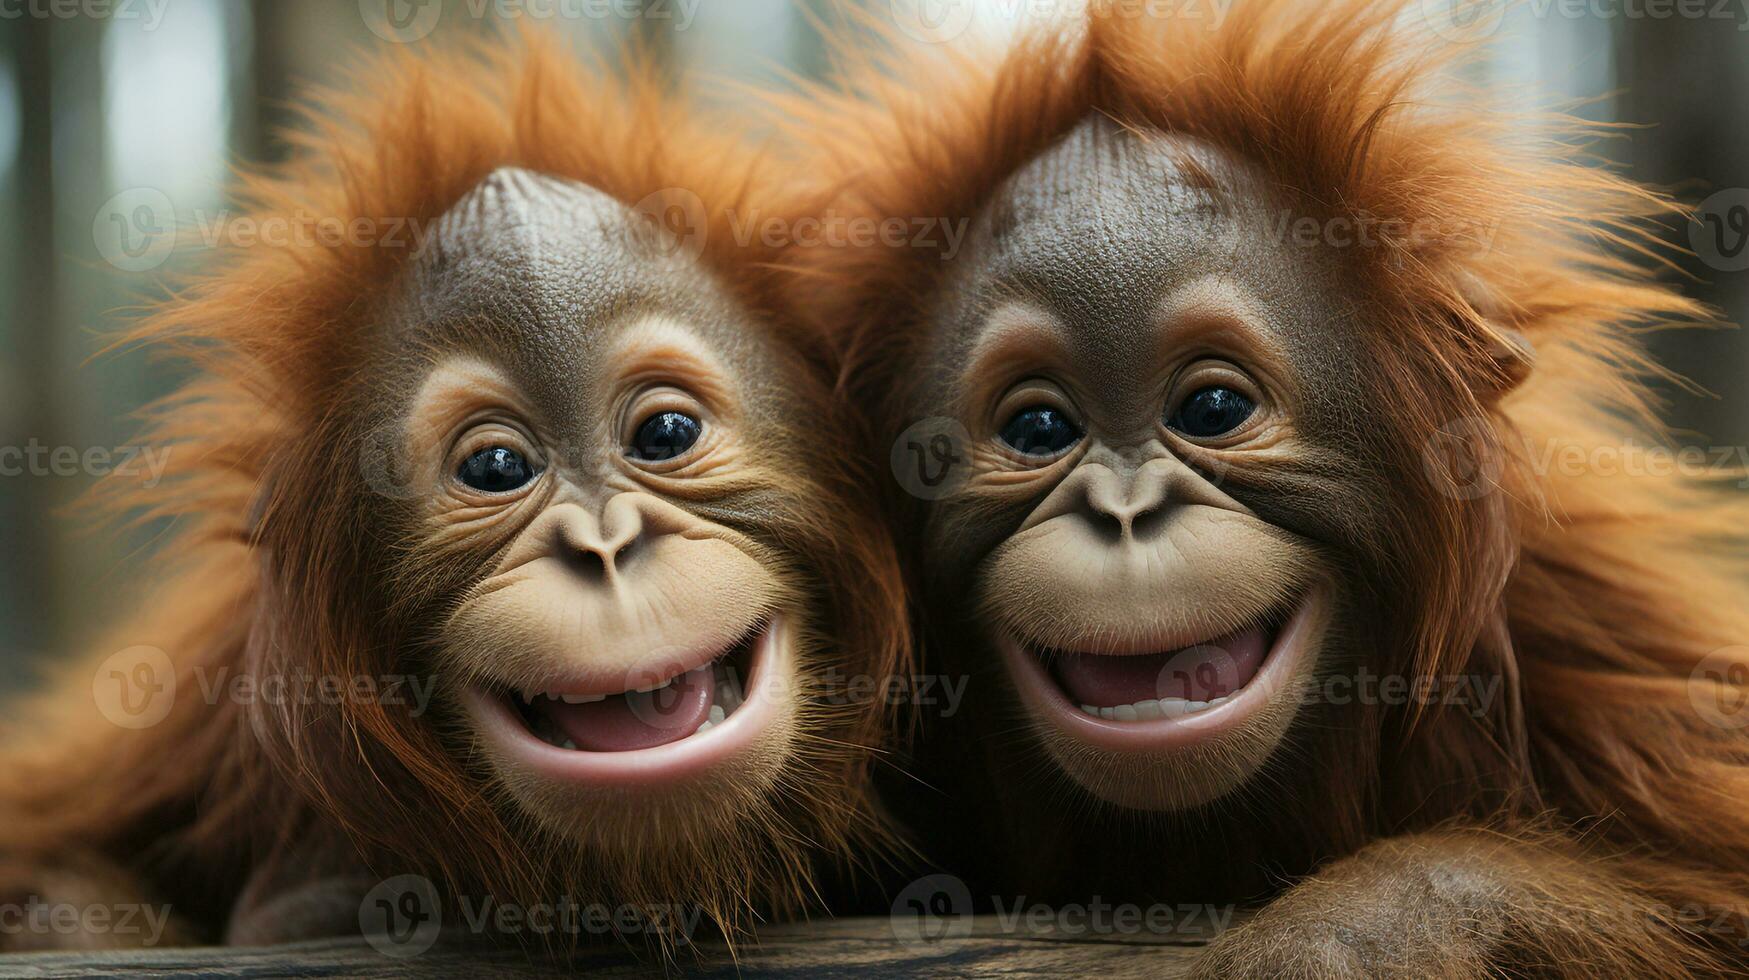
{"x":1166,"y":462}
{"x":599,"y":471}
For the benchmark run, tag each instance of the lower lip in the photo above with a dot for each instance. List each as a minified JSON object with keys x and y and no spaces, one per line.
{"x":1046,"y":699}
{"x":687,"y":757}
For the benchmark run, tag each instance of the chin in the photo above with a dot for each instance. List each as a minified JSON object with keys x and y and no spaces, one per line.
{"x":1172,"y":722}
{"x":692,"y":746}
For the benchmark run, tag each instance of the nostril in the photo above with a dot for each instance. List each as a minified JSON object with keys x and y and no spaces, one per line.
{"x":1108,"y":525}
{"x":586,"y":562}
{"x":1147,"y":523}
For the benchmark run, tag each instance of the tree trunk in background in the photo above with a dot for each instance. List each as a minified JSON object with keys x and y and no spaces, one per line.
{"x":26,"y":539}
{"x":1689,"y":79}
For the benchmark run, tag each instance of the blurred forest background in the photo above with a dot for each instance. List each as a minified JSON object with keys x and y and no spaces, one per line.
{"x":108,"y":103}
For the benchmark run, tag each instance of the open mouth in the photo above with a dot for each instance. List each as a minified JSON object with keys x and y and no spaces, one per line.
{"x":681,"y":718}
{"x":1168,"y":684}
{"x":677,"y":706}
{"x":1140,"y":699}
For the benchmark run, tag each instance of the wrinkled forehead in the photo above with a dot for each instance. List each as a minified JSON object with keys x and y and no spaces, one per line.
{"x":1102,"y":232}
{"x":541,"y":275}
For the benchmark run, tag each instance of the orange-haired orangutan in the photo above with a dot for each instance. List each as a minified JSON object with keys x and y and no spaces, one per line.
{"x":562,"y":468}
{"x":1236,"y":404}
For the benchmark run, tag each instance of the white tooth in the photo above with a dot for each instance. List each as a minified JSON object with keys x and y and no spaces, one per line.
{"x":656,"y":687}
{"x":717,"y":713}
{"x":582,"y":698}
{"x":1124,"y":712}
{"x":1106,"y":713}
{"x":569,"y":744}
{"x":1195,"y":706}
{"x":730,"y":690}
{"x":1220,"y":700}
{"x":1148,"y":710}
{"x":701,"y":728}
{"x":1172,"y":707}
{"x":1090,"y":709}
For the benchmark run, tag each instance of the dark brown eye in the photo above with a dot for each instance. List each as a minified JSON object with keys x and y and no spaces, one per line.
{"x":1040,"y":431}
{"x":498,"y":469}
{"x":664,"y":436}
{"x":1210,"y":412}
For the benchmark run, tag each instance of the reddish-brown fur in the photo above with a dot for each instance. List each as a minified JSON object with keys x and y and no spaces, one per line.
{"x":1595,"y":596}
{"x":190,"y":806}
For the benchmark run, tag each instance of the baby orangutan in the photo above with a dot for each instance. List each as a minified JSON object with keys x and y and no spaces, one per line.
{"x":558,"y":465}
{"x":1236,"y":368}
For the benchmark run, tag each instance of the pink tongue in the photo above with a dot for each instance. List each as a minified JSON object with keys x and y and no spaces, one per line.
{"x":623,"y":722}
{"x":1199,"y":673}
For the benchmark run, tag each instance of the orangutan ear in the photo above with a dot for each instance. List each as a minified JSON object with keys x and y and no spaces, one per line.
{"x":1508,"y":352}
{"x":1512,"y":354}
